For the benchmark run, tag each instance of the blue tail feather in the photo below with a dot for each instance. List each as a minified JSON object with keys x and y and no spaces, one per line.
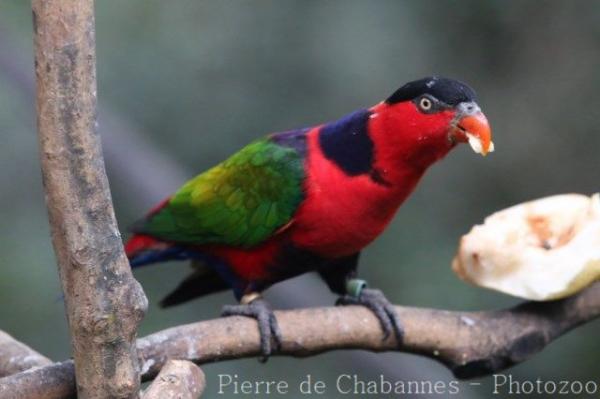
{"x":158,"y":255}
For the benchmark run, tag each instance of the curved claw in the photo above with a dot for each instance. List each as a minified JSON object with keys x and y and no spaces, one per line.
{"x":385,"y":312}
{"x":268,"y":327}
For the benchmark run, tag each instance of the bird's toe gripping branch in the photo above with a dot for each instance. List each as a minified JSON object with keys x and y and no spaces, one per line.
{"x":254,"y":306}
{"x":357,"y":293}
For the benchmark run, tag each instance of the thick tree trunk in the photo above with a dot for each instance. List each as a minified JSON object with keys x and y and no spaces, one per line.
{"x":104,"y":303}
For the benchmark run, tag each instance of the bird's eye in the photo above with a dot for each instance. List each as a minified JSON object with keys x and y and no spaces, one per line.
{"x":425,"y":104}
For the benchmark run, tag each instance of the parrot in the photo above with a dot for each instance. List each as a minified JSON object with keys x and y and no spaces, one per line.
{"x":308,"y":200}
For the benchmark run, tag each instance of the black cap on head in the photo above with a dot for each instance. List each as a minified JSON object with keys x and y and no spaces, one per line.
{"x":449,"y":91}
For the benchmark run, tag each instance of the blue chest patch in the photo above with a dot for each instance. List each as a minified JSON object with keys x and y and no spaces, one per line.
{"x":347,"y":143}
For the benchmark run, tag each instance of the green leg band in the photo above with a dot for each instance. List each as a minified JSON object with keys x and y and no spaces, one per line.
{"x":355,"y":286}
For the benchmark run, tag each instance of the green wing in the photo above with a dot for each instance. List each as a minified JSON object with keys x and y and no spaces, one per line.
{"x":240,"y":202}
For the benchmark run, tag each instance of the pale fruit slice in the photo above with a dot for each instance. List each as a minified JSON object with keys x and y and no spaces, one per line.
{"x":540,"y":250}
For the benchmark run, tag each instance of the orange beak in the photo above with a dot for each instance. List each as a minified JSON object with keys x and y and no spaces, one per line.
{"x":475,"y":129}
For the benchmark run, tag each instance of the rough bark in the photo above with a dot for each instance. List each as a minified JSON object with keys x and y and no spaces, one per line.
{"x":178,"y":379}
{"x":104,"y":303}
{"x":50,"y":382}
{"x":471,"y":344}
{"x":16,"y":356}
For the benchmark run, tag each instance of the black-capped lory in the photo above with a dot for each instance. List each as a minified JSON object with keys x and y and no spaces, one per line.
{"x":308,"y":200}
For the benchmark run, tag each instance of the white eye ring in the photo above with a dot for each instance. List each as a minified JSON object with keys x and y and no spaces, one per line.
{"x":425,"y":104}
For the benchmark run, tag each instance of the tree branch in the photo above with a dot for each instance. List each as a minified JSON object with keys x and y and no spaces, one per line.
{"x":471,"y":344}
{"x":16,"y":356}
{"x":104,"y":303}
{"x":178,"y":379}
{"x":50,"y":382}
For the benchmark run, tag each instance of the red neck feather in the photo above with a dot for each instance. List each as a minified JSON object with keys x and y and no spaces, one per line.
{"x":407,"y":140}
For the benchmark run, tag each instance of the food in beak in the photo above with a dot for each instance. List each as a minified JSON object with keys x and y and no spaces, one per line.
{"x":478,"y":133}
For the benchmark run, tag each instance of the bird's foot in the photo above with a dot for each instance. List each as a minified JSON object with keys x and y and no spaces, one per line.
{"x":374,"y":300}
{"x":254,"y":306}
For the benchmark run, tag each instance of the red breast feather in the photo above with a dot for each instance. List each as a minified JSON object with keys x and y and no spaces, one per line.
{"x":342,"y":214}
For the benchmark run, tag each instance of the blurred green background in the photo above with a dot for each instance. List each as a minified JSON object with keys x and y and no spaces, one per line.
{"x":183,"y":84}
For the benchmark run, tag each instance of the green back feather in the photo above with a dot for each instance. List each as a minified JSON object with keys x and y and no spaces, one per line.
{"x":240,"y":202}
